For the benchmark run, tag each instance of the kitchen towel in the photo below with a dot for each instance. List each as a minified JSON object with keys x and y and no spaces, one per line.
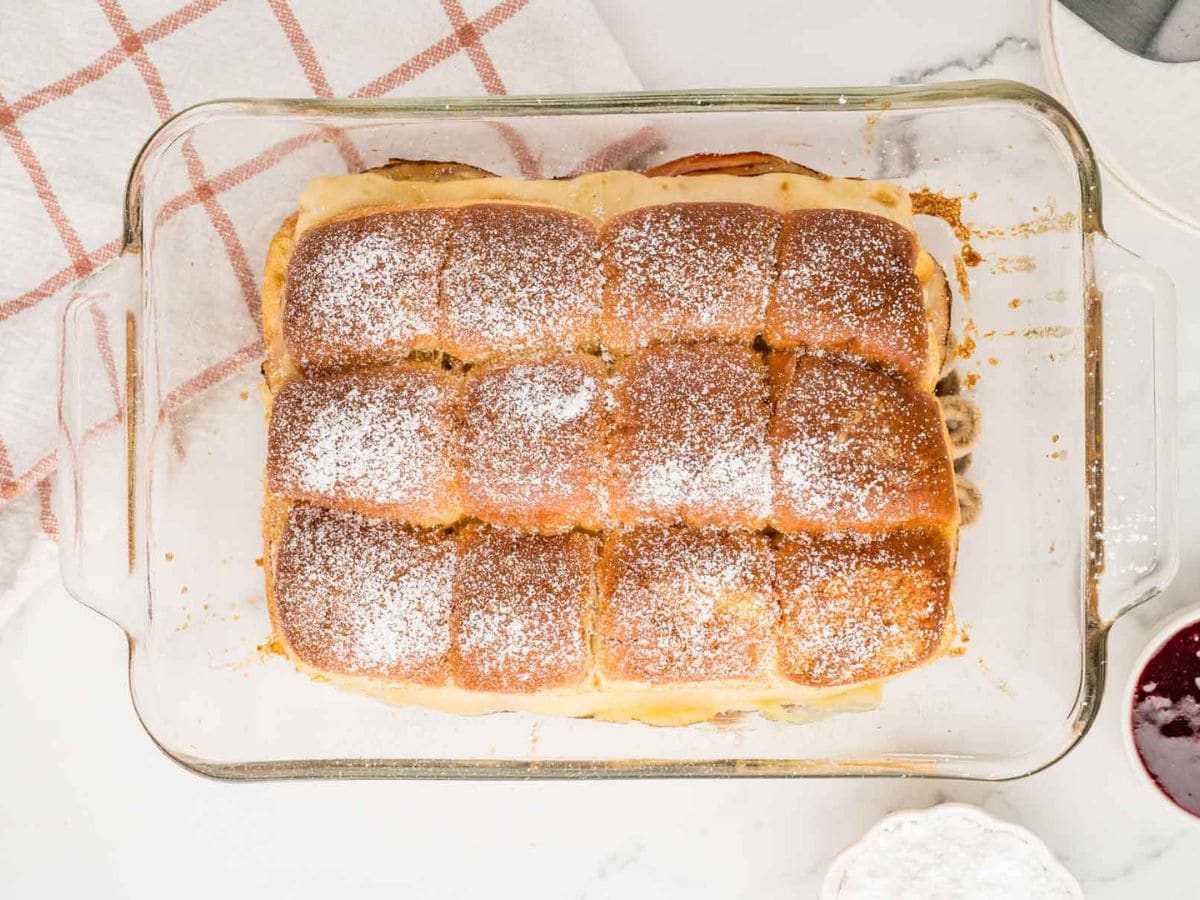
{"x":83,"y":85}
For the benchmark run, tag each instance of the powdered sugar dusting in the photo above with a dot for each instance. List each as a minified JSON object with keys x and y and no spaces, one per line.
{"x":690,"y":437}
{"x":365,"y":596}
{"x":685,"y":605}
{"x":853,"y":447}
{"x":687,"y":270}
{"x":534,"y":443}
{"x":380,"y":442}
{"x":680,"y":439}
{"x":365,"y":288}
{"x":519,"y":277}
{"x":860,"y":606}
{"x":544,"y":395}
{"x":846,"y":282}
{"x":521,"y":604}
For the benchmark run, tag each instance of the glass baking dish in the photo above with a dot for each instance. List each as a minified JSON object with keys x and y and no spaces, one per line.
{"x":162,"y":431}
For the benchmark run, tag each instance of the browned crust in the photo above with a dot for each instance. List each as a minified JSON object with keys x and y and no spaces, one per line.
{"x":550,"y":283}
{"x":716,"y":388}
{"x":293,"y":407}
{"x":540,"y":586}
{"x":899,"y":439}
{"x":396,"y":313}
{"x":317,"y":618}
{"x":654,"y":625}
{"x":577,"y":498}
{"x":745,"y":163}
{"x":875,"y":310}
{"x":661,"y":262}
{"x":428,"y":170}
{"x":852,"y":611}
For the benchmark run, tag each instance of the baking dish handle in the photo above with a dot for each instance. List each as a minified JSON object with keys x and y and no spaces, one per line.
{"x":1134,"y":305}
{"x":94,"y":421}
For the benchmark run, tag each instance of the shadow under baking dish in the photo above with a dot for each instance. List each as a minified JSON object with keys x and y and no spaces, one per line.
{"x":162,"y":486}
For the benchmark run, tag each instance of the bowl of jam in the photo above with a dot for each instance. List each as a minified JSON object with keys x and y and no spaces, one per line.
{"x":1163,"y":728}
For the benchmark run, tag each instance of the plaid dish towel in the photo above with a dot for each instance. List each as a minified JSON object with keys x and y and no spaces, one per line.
{"x":83,"y":85}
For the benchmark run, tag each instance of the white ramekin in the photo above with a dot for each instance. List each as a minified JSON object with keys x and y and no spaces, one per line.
{"x":845,"y":862}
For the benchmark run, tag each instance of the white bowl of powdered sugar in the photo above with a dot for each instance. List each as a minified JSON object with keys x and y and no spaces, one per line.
{"x":948,"y":852}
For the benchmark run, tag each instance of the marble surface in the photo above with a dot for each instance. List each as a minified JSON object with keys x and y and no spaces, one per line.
{"x":88,"y":804}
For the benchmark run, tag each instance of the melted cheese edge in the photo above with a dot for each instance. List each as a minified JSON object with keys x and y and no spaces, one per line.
{"x":601,"y":195}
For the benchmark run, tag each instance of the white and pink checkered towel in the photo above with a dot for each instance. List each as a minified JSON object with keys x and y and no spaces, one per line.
{"x":82,"y":86}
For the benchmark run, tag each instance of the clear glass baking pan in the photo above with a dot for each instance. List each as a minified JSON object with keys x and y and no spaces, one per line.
{"x":162,"y":431}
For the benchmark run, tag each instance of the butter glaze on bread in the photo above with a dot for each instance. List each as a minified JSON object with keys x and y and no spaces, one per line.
{"x":517,"y":299}
{"x":533,"y":442}
{"x":853,"y":448}
{"x":857,"y":607}
{"x":380,"y":443}
{"x":687,"y":271}
{"x":847,"y":284}
{"x":690,"y":437}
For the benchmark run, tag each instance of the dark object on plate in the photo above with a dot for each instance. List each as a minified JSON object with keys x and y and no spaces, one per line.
{"x":1166,"y":718}
{"x":1160,"y":30}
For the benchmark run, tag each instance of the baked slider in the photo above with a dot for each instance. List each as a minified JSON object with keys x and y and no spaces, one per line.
{"x":519,"y":277}
{"x":690,"y":436}
{"x":378,"y":442}
{"x":687,"y":271}
{"x":848,"y":284}
{"x":363,"y":288}
{"x":522,"y":610}
{"x":860,"y":607}
{"x":854,"y":448}
{"x":684,"y":605}
{"x":352,"y":595}
{"x":534,"y":442}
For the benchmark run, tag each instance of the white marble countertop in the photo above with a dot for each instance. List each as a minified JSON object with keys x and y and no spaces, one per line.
{"x":88,"y":804}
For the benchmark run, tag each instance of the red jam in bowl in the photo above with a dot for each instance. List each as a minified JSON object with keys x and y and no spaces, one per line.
{"x":1166,"y":718}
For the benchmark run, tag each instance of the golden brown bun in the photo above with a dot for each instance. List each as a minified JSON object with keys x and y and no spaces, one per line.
{"x":935,"y":286}
{"x":678,"y":604}
{"x":847,"y":284}
{"x":380,"y":443}
{"x":473,"y":322}
{"x":690,"y":436}
{"x":855,"y":449}
{"x":534,"y":442}
{"x":683,"y":439}
{"x":359,"y":596}
{"x":363,"y":289}
{"x":522,"y":609}
{"x":519,"y":277}
{"x":857,"y":607}
{"x":687,"y":271}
